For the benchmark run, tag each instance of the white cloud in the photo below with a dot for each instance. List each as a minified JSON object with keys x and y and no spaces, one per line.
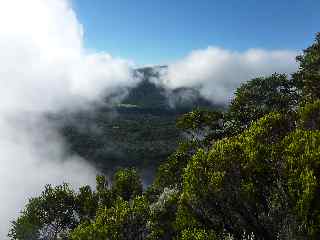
{"x":44,"y":67}
{"x":218,"y":72}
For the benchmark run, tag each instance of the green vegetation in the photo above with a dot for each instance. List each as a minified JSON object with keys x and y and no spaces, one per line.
{"x":250,"y":172}
{"x":129,"y":139}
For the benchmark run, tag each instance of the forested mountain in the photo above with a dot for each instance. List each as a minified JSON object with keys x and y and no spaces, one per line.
{"x":138,"y":132}
{"x":254,"y":173}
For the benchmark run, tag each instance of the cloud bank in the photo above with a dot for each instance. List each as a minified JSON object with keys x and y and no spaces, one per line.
{"x":44,"y":68}
{"x":217,"y":72}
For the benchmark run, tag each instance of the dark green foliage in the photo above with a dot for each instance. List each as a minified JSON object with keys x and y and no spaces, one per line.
{"x":202,"y":125}
{"x":170,"y":173}
{"x":58,"y":210}
{"x":261,"y":96}
{"x":197,"y":234}
{"x":302,"y":173}
{"x":87,"y":203}
{"x":127,"y":184}
{"x":238,"y":179}
{"x":126,"y":138}
{"x":163,"y":215}
{"x":104,"y":193}
{"x":124,"y":220}
{"x":49,"y":216}
{"x":310,"y":116}
{"x":308,"y":76}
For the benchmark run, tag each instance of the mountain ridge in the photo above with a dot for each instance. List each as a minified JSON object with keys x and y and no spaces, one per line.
{"x":138,"y":132}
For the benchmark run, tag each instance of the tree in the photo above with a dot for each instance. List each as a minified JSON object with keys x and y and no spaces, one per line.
{"x":308,"y":75}
{"x":202,"y":125}
{"x":309,"y":116}
{"x":124,"y":220}
{"x":104,"y":193}
{"x":49,"y":216}
{"x":197,"y":234}
{"x":258,"y":97}
{"x":301,"y":154}
{"x":86,"y":203}
{"x":169,"y":174}
{"x":163,"y":214}
{"x":232,"y":186}
{"x":127,"y":184}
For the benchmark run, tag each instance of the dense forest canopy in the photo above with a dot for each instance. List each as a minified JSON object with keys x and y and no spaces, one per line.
{"x":250,"y":172}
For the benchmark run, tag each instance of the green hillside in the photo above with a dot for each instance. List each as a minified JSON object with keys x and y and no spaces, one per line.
{"x":139,"y":132}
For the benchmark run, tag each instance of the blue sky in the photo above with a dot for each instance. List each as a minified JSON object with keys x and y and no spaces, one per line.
{"x":157,"y":32}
